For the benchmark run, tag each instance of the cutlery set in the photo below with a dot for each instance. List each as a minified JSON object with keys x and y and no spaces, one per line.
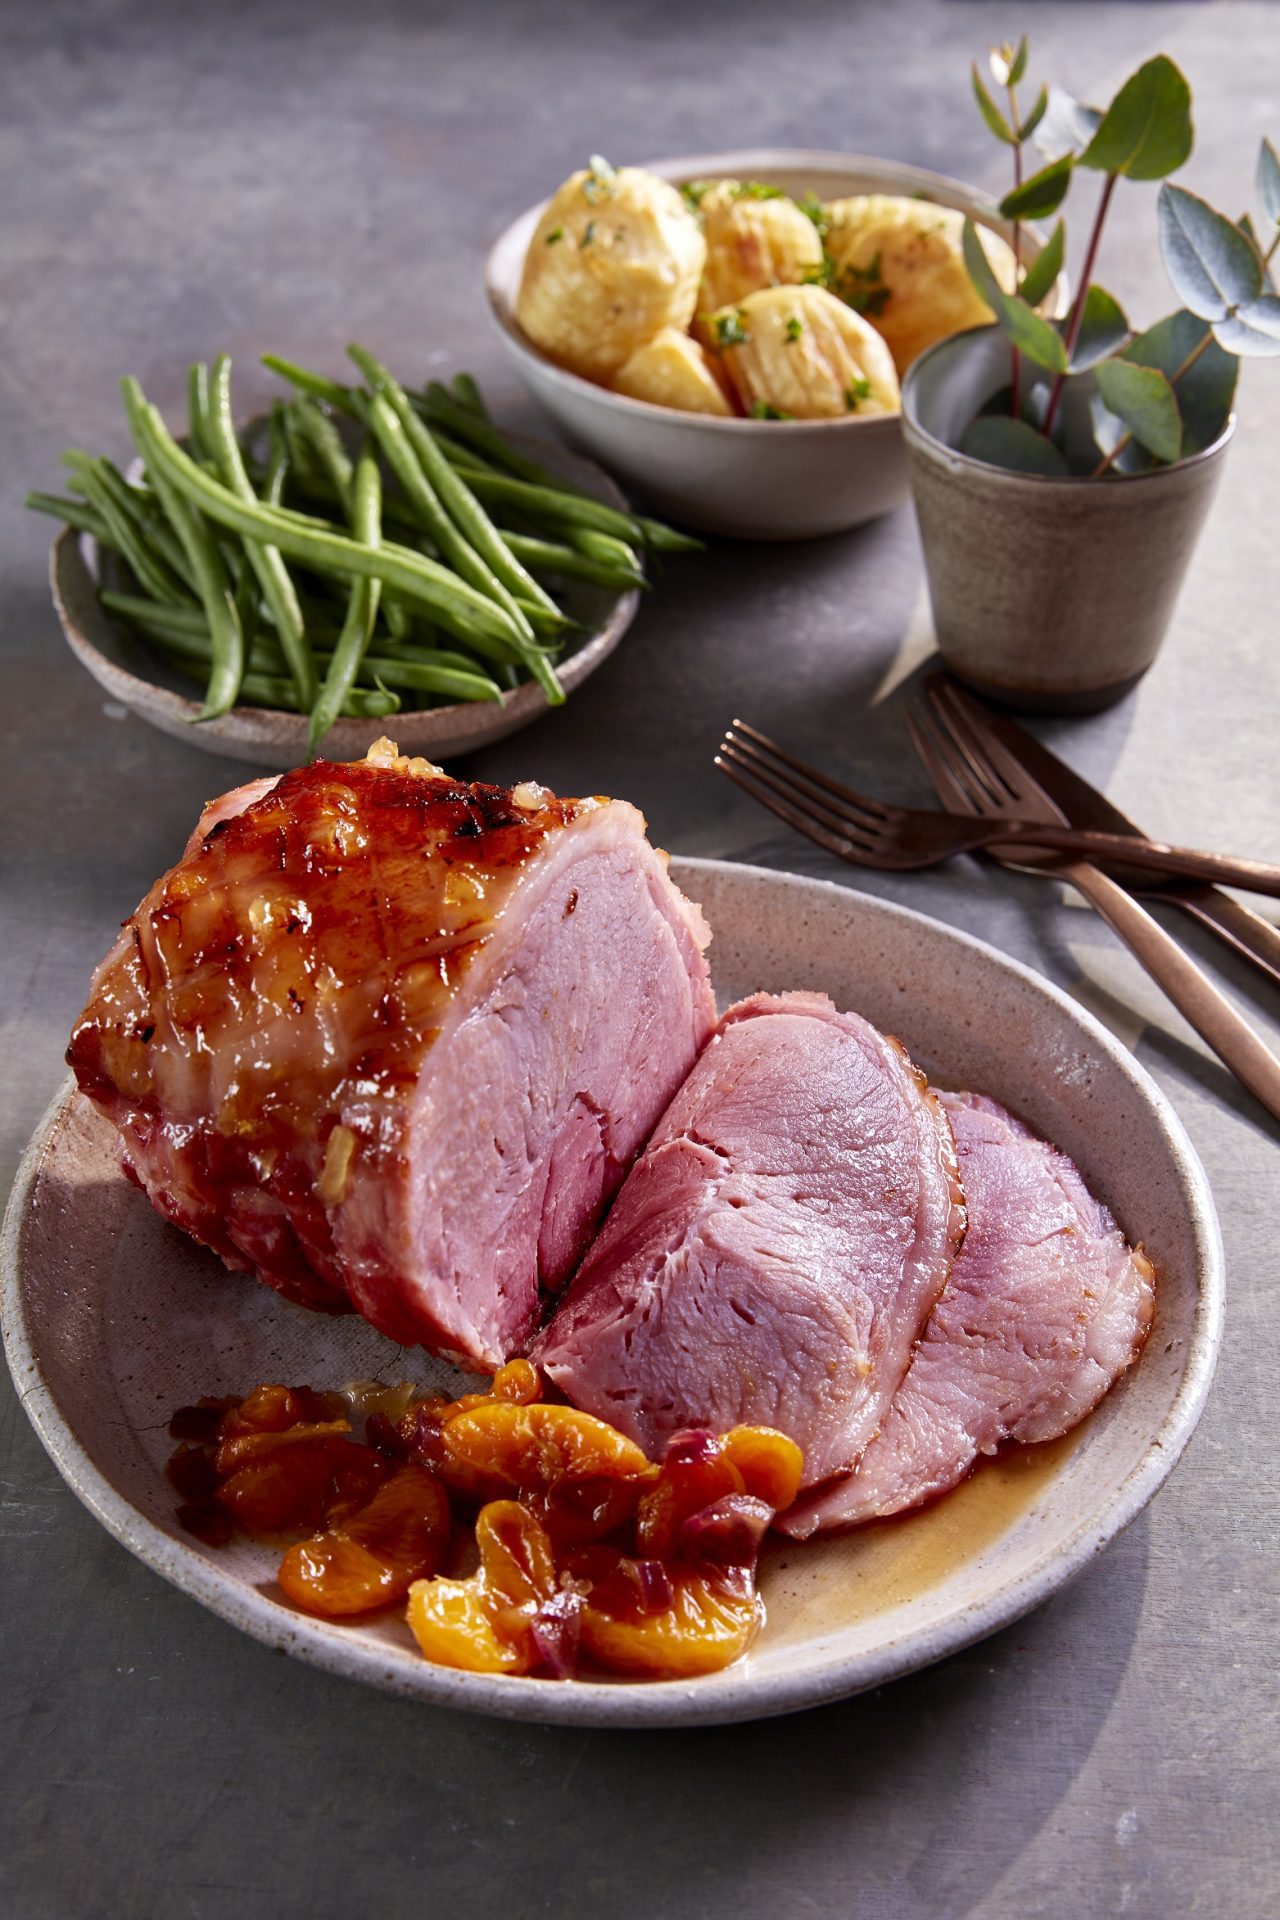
{"x":1005,"y":794}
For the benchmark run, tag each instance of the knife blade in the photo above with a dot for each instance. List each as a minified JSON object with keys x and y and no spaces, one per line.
{"x":1248,"y":933}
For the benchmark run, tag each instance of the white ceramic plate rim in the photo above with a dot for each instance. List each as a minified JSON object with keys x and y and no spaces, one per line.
{"x":737,"y":1696}
{"x":749,"y":163}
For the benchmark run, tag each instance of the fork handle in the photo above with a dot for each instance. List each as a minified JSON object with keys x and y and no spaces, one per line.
{"x":1250,"y":935}
{"x":1220,"y":869}
{"x":1191,"y":991}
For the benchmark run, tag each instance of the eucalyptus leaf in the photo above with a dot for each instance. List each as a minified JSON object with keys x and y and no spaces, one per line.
{"x":1146,"y":402}
{"x":1045,"y":268}
{"x":1269,"y":182}
{"x":1253,"y":329}
{"x":1067,"y":126}
{"x":1004,"y":442}
{"x":1213,"y":266}
{"x":1146,"y":131}
{"x":1112,"y":438}
{"x":991,"y":112}
{"x":1205,"y":388}
{"x":1036,"y":115}
{"x":1250,"y":233}
{"x":1103,"y":329}
{"x":1042,"y":194}
{"x":1030,"y":333}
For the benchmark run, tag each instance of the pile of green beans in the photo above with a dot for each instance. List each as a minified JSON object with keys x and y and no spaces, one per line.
{"x":416,"y":570}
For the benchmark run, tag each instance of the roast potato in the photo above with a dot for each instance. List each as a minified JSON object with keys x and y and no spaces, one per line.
{"x":899,"y":262}
{"x":799,"y":353}
{"x":671,"y":370}
{"x":616,"y":257}
{"x":755,"y":238}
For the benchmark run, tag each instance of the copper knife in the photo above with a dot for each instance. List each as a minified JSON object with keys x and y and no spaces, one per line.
{"x":1248,"y":933}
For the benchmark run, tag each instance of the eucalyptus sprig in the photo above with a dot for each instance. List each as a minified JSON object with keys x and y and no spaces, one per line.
{"x":1159,"y":395}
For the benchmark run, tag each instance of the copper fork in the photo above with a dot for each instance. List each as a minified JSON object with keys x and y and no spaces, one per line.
{"x":872,"y":833}
{"x":974,"y":772}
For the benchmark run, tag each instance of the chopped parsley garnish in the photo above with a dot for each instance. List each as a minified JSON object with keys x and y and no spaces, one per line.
{"x":764,"y":410}
{"x":862,"y":288}
{"x":819,"y":275}
{"x":556,"y":233}
{"x":810,"y":205}
{"x":860,"y":390}
{"x":731,"y":329}
{"x":795,"y":327}
{"x":599,"y":180}
{"x":695,"y":192}
{"x":755,"y":190}
{"x":588,"y":234}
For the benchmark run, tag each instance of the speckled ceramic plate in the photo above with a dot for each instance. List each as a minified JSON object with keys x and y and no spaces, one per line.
{"x":112,"y":1319}
{"x":126,"y":668}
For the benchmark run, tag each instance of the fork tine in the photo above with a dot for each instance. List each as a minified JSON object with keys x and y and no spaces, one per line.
{"x":977,"y":750}
{"x":855,"y":832}
{"x":1019,"y":781}
{"x":950,"y":774}
{"x":804,"y":793}
{"x":864,"y":801}
{"x":800,"y":821}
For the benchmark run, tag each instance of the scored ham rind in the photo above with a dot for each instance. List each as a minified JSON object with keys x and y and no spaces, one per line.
{"x":1045,"y":1309}
{"x":778,"y":1247}
{"x":392,"y":1040}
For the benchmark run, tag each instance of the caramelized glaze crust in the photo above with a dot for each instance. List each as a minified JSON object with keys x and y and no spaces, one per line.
{"x":260,"y":1031}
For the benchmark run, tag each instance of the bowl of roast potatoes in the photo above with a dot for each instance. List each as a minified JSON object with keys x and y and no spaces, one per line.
{"x":727,"y":332}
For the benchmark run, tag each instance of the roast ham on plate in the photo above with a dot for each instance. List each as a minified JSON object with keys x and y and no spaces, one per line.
{"x":392,"y":1040}
{"x":1046,"y":1307}
{"x":774,"y":1255}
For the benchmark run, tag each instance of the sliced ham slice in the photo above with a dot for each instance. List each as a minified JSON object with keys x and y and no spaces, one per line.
{"x":392,"y":1040}
{"x":1045,"y":1309}
{"x":777,"y":1249}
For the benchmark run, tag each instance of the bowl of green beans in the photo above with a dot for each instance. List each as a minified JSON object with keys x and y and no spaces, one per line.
{"x":366,"y":557}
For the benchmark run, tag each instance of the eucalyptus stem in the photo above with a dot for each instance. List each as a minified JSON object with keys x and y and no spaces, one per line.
{"x":1017,"y":250}
{"x":1077,"y":311}
{"x":1126,"y":439}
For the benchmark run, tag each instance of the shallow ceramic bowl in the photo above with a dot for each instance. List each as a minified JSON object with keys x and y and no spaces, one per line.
{"x":755,"y":479}
{"x":140,"y":678}
{"x":112,"y":1319}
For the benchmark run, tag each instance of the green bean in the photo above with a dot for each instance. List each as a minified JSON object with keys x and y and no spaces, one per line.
{"x":362,"y":610}
{"x":398,"y":617}
{"x":460,"y":502}
{"x":432,"y":676}
{"x":265,"y":562}
{"x":317,"y":384}
{"x":468,"y":394}
{"x":457,"y":607}
{"x":145,"y":511}
{"x":227,"y":666}
{"x":325,"y":443}
{"x":606,"y":548}
{"x":147,"y":566}
{"x":549,"y":556}
{"x":442,"y":409}
{"x":543,"y":506}
{"x":74,"y":513}
{"x":452,"y":544}
{"x":199,"y":438}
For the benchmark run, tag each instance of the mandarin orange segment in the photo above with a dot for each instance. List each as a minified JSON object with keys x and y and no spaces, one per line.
{"x":517,"y":1381}
{"x":695,"y":1473}
{"x":293,"y":1489}
{"x":517,"y":1563}
{"x":453,"y":1626}
{"x":771,"y":1464}
{"x":536,"y":1446}
{"x":372,"y":1558}
{"x":239,"y":1449}
{"x":708,"y":1622}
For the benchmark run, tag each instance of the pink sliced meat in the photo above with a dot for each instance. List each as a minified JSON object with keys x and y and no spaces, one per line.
{"x":392,"y":1040}
{"x":778,"y":1247}
{"x":1046,"y":1307}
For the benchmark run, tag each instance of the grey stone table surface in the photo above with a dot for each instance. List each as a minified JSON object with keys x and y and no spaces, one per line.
{"x":181,"y":180}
